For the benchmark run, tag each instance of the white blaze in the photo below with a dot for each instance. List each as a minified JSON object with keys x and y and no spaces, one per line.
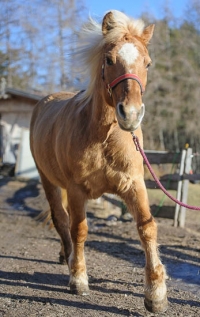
{"x":129,"y":53}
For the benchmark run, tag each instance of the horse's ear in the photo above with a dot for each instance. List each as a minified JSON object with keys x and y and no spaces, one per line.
{"x":147,"y":34}
{"x":108,"y":22}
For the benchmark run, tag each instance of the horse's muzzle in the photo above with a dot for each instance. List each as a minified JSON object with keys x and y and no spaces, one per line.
{"x":129,"y":118}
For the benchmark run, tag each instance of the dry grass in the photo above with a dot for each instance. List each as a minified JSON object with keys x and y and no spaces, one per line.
{"x":156,"y":196}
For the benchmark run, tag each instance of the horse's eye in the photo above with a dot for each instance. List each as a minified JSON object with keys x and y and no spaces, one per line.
{"x":109,"y":61}
{"x":148,"y":65}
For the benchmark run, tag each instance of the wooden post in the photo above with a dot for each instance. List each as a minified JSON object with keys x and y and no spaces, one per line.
{"x":188,"y":163}
{"x":179,"y":188}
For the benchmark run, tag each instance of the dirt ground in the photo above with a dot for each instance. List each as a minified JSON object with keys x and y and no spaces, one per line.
{"x":33,"y":283}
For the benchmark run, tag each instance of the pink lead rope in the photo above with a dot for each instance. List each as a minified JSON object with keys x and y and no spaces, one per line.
{"x":138,"y":148}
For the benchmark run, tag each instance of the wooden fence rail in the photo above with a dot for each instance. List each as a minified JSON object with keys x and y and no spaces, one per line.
{"x":177,"y":181}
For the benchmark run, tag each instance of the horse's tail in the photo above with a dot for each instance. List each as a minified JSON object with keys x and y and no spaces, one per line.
{"x":45,"y":215}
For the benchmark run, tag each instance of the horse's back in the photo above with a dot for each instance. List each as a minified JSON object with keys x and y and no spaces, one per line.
{"x":47,"y":118}
{"x":46,"y":113}
{"x":49,"y":104}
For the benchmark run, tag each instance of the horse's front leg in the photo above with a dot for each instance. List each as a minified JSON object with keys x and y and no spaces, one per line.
{"x":155,"y":276}
{"x":79,"y":229}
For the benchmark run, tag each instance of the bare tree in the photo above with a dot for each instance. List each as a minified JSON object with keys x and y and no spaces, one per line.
{"x":36,"y":36}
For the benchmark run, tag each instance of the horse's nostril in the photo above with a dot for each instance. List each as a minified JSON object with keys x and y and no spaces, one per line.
{"x":121,"y":111}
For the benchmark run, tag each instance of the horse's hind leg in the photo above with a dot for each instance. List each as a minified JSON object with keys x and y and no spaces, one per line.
{"x":155,"y":276}
{"x":62,"y":257}
{"x":59,"y":216}
{"x":79,"y":230}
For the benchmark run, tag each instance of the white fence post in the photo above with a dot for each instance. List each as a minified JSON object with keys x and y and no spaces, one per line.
{"x":179,"y":188}
{"x":188,"y":163}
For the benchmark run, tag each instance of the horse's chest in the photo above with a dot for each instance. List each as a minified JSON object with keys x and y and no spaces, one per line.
{"x":119,"y":169}
{"x":107,"y":170}
{"x":88,"y":171}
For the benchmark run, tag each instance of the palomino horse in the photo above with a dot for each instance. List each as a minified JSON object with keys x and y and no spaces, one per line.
{"x":82,"y":143}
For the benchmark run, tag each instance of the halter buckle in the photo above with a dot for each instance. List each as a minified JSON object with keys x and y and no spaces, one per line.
{"x":109,"y":89}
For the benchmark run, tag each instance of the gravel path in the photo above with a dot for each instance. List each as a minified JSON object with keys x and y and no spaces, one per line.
{"x":32,"y":283}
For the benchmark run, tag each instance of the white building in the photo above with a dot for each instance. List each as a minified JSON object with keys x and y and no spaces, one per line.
{"x":15,"y":113}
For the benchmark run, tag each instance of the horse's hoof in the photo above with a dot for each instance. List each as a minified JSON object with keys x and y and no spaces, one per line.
{"x":62,"y":259}
{"x":154,"y":306}
{"x":79,"y":289}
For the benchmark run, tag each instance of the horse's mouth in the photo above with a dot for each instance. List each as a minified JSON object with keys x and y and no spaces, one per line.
{"x":129,"y":128}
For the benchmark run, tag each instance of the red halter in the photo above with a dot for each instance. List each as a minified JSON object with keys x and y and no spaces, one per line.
{"x":116,"y":81}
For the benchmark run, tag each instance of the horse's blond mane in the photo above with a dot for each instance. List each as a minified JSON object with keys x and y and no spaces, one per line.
{"x":90,"y":43}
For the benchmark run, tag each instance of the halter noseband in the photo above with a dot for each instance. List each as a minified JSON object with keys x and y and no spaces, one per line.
{"x":116,"y":81}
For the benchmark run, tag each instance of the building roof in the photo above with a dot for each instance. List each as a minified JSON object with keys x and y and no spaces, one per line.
{"x":16,"y":92}
{"x":6,"y":92}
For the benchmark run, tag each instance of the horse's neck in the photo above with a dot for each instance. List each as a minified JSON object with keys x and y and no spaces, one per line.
{"x":102,"y":117}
